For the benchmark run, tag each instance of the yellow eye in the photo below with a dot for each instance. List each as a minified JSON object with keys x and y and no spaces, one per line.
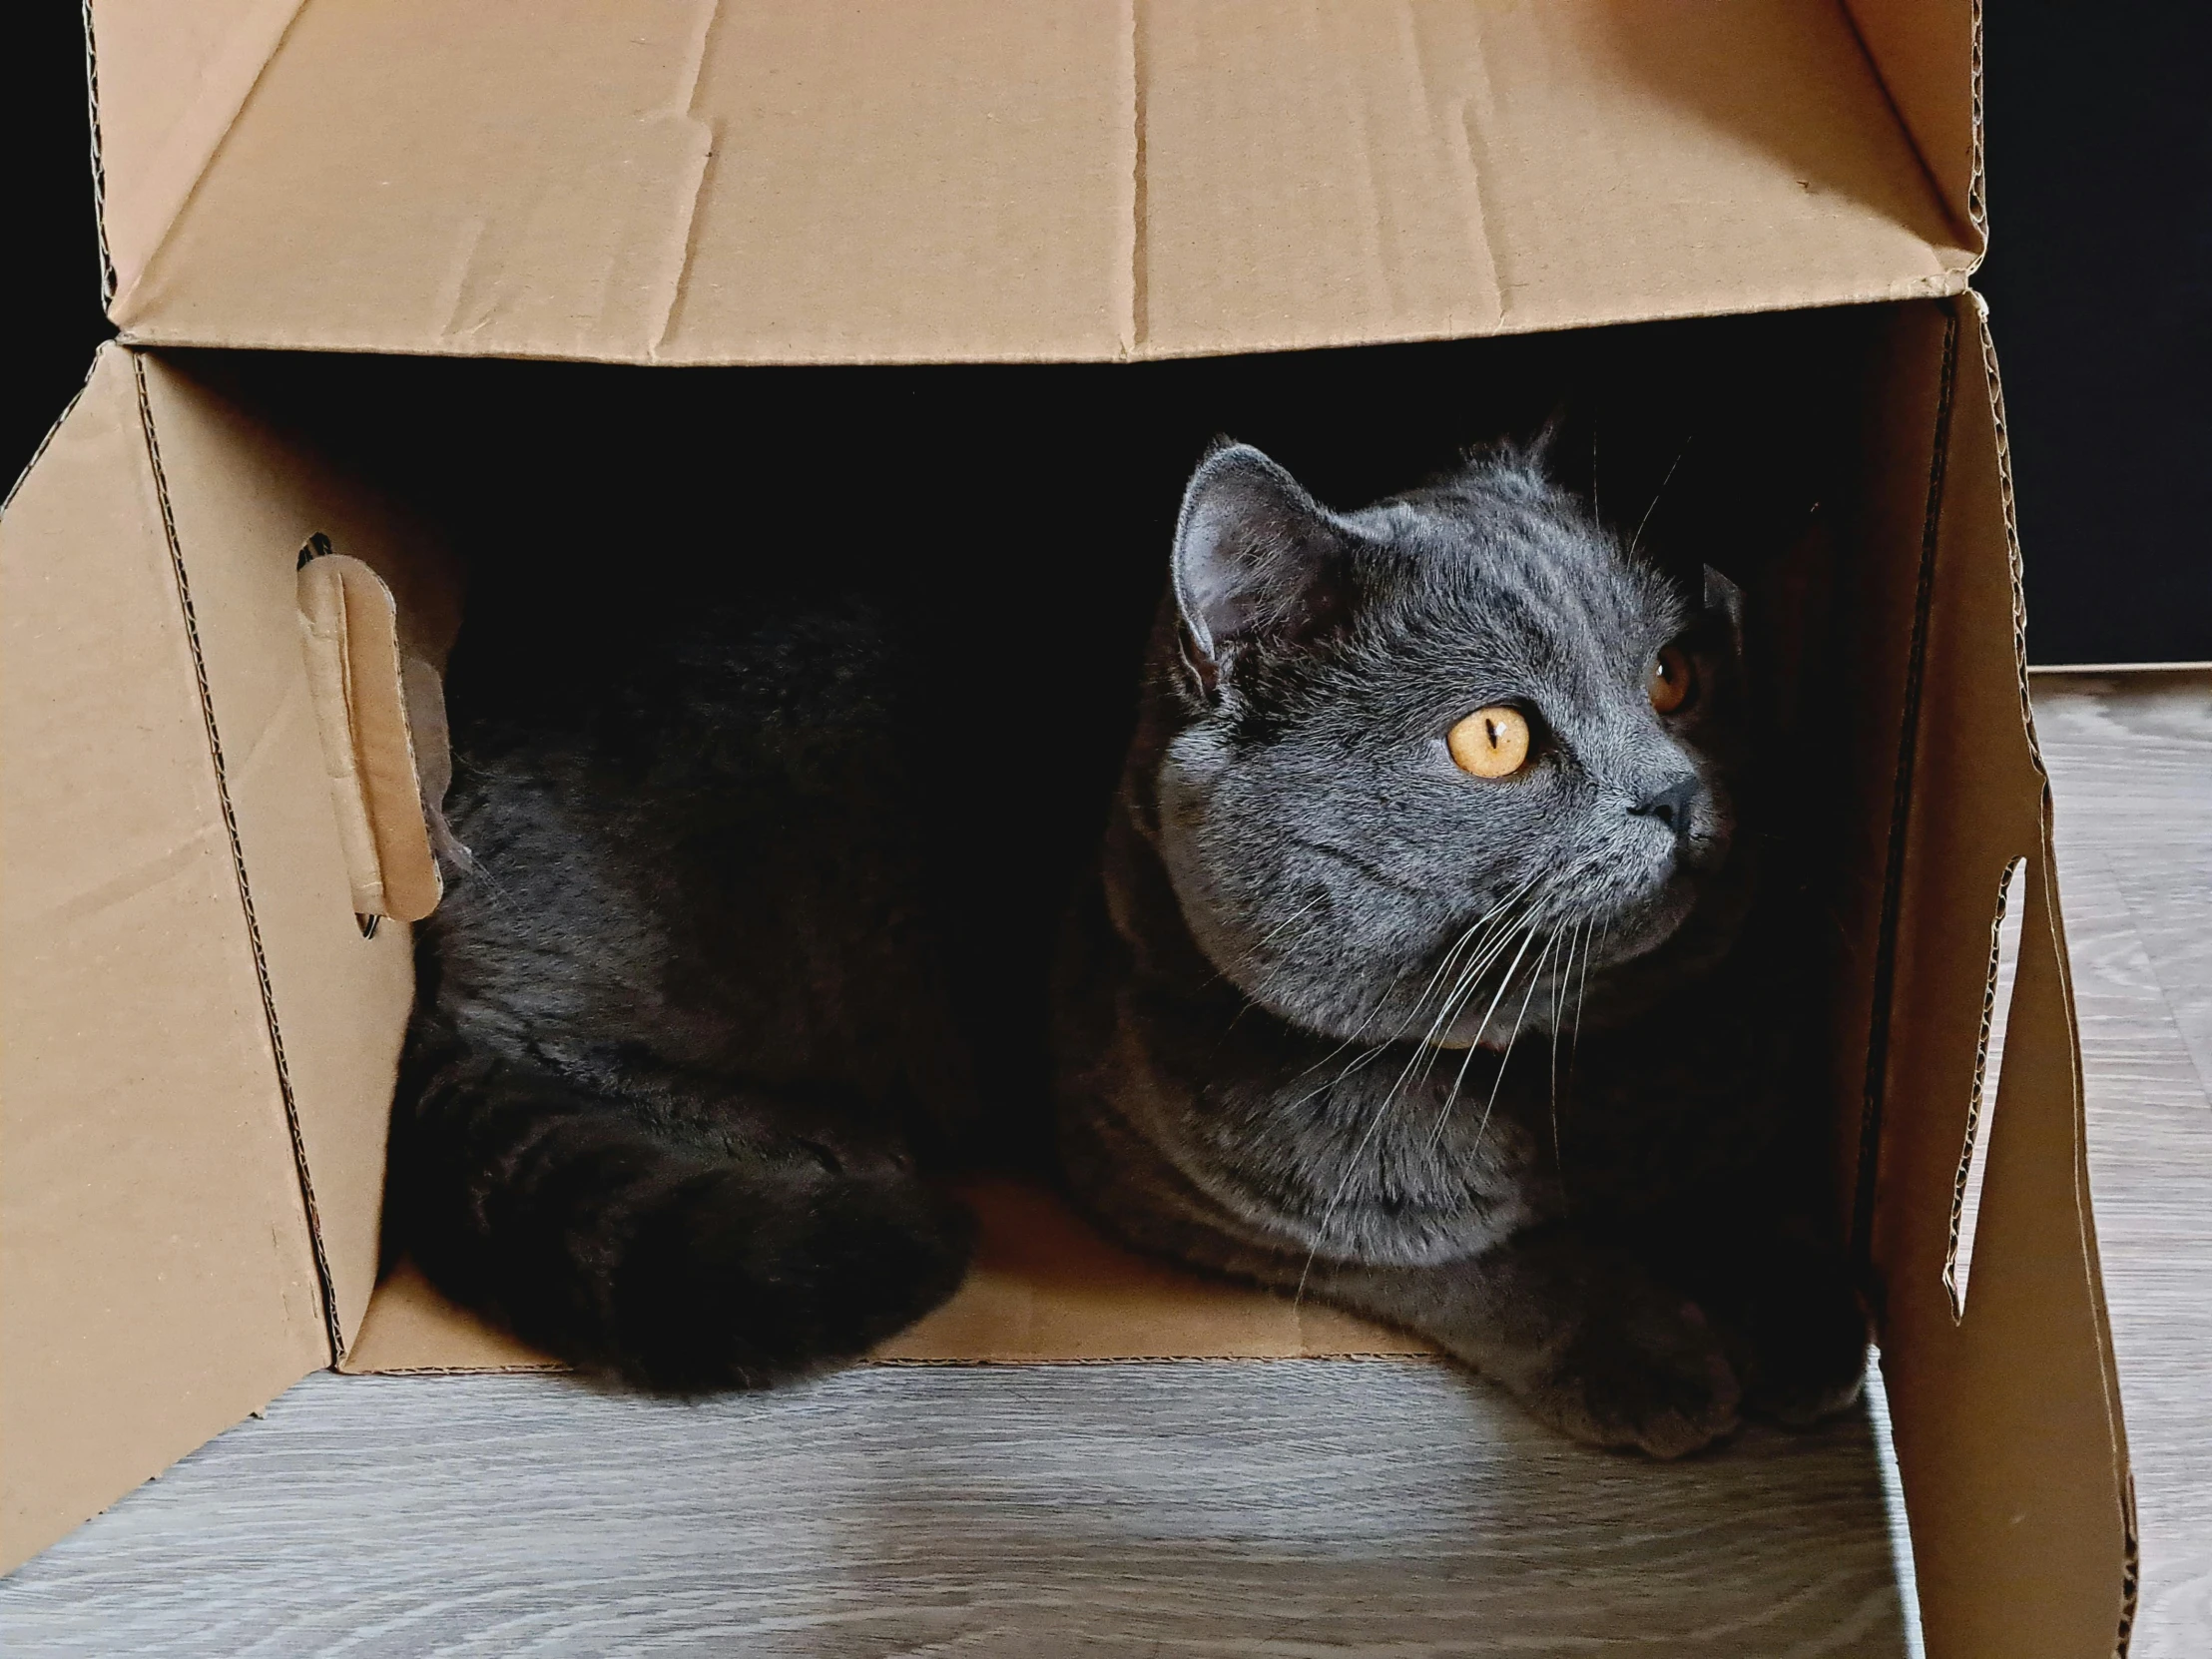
{"x":1491,"y":742}
{"x":1671,"y":680}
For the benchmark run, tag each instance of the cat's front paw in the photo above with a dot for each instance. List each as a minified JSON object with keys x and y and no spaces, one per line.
{"x":1647,"y":1374}
{"x":1802,"y":1348}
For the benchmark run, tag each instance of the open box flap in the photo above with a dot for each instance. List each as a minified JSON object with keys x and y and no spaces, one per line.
{"x":2007,"y":1417}
{"x":246,"y":500}
{"x":157,"y":1281}
{"x":701,"y":183}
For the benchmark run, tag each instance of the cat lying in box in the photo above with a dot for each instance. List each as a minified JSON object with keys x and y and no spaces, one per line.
{"x":1424,"y":975}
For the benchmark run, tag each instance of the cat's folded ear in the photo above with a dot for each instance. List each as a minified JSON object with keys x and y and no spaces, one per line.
{"x":1257,"y":561}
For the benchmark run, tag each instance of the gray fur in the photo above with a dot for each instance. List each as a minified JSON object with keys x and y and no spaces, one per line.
{"x":1499,"y":1060}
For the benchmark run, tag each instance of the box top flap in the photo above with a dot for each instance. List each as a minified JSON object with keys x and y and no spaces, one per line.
{"x":703,"y":182}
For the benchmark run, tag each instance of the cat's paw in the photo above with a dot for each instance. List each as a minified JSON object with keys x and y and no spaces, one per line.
{"x":1802,"y":1348}
{"x":1646,"y":1374}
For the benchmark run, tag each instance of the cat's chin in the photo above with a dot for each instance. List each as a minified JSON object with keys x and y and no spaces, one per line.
{"x":1664,"y":946}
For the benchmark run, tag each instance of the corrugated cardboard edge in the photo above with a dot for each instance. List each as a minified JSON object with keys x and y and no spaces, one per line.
{"x":222,"y":99}
{"x":99,"y":169}
{"x":323,"y":1287}
{"x":1966,"y":205}
{"x":2092,"y":1266}
{"x":2008,"y":1417}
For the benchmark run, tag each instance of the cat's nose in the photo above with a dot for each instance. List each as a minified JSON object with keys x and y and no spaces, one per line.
{"x":1671,"y":804}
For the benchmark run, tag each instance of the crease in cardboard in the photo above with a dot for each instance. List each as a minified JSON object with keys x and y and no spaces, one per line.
{"x":227,"y":91}
{"x":1467,"y":125}
{"x":453,"y":290}
{"x":1444,"y":127}
{"x":126,"y":885}
{"x":325,"y":1287}
{"x":1976,"y":226}
{"x":1874,"y":1088}
{"x":685,"y":233}
{"x":1139,"y":332}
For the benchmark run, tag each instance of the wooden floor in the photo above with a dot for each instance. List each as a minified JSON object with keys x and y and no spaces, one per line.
{"x":1288,"y":1508}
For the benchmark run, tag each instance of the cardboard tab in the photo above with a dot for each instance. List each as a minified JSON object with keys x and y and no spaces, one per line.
{"x":349,"y":628}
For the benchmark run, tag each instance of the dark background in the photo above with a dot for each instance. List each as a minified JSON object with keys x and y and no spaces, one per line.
{"x":2099,"y":277}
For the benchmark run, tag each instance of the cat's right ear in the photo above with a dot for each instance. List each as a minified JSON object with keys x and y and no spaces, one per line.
{"x":1257,"y":560}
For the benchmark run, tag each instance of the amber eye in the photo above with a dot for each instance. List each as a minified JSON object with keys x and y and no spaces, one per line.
{"x":1491,"y":742}
{"x":1671,"y":681}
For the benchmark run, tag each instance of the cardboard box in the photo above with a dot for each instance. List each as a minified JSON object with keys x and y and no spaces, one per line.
{"x":200,"y":1039}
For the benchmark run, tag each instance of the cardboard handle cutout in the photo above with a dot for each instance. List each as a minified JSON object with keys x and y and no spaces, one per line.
{"x":362,"y":691}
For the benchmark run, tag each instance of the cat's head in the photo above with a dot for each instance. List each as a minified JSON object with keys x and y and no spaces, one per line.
{"x":1447,"y":765}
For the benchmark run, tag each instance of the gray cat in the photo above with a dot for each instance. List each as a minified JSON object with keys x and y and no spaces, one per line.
{"x":1429,"y":974}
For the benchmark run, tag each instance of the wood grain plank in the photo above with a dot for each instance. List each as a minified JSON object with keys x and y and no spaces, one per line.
{"x":2131,"y":771}
{"x":1285,"y":1507}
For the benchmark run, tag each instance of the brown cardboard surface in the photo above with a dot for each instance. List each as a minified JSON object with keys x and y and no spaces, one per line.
{"x":245,"y":500}
{"x":350,"y":631}
{"x":987,"y":178}
{"x":2006,"y":1421}
{"x":170,"y":80}
{"x":1044,"y":1287}
{"x":1929,"y":55}
{"x":156,"y":1280}
{"x":1879,"y":647}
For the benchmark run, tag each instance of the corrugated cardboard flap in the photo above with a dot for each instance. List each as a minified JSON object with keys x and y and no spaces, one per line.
{"x":2006,"y":1410}
{"x":701,"y":183}
{"x":157,"y":1280}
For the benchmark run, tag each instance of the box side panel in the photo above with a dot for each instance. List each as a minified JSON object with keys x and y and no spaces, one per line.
{"x":245,"y":497}
{"x":1868,"y":657}
{"x":156,"y":1279}
{"x":1930,"y":59}
{"x":995,"y":180}
{"x":2008,"y":1418}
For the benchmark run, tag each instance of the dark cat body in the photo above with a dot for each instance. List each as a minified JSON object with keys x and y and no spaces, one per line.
{"x":1499,"y":1060}
{"x":683,"y":1028}
{"x":742,"y":946}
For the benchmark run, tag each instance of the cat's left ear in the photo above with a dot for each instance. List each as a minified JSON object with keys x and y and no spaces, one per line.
{"x":1723,"y":605}
{"x":1257,"y":561}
